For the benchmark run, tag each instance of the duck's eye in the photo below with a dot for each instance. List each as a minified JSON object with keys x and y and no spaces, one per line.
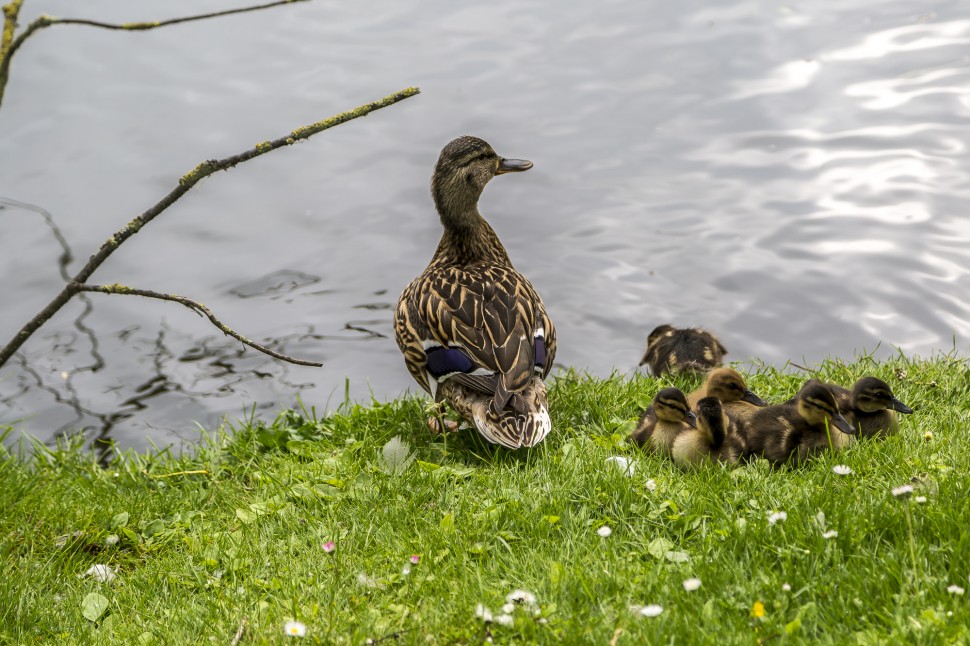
{"x":469,"y":177}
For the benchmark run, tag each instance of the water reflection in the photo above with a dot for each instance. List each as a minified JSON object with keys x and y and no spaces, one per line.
{"x":792,"y":177}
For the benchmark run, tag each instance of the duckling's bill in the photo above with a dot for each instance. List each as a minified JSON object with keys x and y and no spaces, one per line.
{"x":841,"y":423}
{"x":752,"y":398}
{"x":900,"y":407}
{"x":513,"y":166}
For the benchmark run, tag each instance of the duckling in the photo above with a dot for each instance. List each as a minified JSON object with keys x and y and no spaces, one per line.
{"x":692,"y":350}
{"x":473,"y":330}
{"x":663,"y":421}
{"x":795,"y":431}
{"x":869,"y":406}
{"x":714,"y":440}
{"x":728,"y":385}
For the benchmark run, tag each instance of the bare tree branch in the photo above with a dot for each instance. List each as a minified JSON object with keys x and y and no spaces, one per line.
{"x":9,"y":45}
{"x":196,"y":307}
{"x":186,"y":182}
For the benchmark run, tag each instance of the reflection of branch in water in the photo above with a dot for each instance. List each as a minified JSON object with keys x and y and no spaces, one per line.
{"x":66,"y":255}
{"x":63,"y":260}
{"x":358,"y":326}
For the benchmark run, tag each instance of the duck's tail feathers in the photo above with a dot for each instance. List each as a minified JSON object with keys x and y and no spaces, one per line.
{"x":511,"y":429}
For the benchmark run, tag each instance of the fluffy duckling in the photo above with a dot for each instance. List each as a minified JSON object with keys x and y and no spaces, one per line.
{"x":714,"y":440}
{"x":663,"y":421}
{"x":870,"y":406}
{"x":728,"y":385}
{"x":795,"y":431}
{"x":473,"y":330}
{"x":676,"y":350}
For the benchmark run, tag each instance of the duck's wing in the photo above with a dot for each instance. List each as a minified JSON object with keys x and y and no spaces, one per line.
{"x":484,"y":327}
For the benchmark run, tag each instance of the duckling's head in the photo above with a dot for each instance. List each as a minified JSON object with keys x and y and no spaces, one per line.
{"x":817,"y":406}
{"x":658,"y":333}
{"x":728,"y":385}
{"x":464,"y":167}
{"x":711,"y":416}
{"x":870,"y":395}
{"x":670,"y":405}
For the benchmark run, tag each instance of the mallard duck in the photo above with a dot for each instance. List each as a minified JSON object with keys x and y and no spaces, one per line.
{"x":663,"y":421}
{"x":728,"y":385}
{"x":869,"y":406}
{"x":676,"y":350}
{"x":473,"y":330}
{"x":796,"y":430}
{"x":714,"y":440}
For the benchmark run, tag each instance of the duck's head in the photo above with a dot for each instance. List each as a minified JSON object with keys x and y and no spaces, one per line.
{"x":670,"y":405}
{"x":728,"y":385}
{"x":817,"y":406}
{"x":464,"y":167}
{"x":870,"y":395}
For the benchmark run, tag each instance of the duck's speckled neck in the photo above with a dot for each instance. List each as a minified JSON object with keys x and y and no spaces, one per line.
{"x":467,"y":238}
{"x":468,"y":245}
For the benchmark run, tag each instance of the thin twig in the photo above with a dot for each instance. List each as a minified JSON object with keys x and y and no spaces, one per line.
{"x":196,"y":307}
{"x":8,"y":48}
{"x":187,"y":181}
{"x":239,"y":633}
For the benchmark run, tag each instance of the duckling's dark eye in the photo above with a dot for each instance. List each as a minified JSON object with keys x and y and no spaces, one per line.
{"x":469,"y":176}
{"x":481,"y":156}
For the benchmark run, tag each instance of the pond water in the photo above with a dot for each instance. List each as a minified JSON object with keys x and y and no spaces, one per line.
{"x":793,"y":176}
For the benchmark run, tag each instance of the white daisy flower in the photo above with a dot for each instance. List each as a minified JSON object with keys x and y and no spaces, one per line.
{"x":504,"y":620}
{"x":406,"y":570}
{"x":903,"y":492}
{"x":624,"y":465}
{"x":521,"y":596}
{"x":920,"y":499}
{"x":830,"y":534}
{"x":692,"y":584}
{"x":653,"y":610}
{"x":294,"y":629}
{"x":841,"y":470}
{"x":483,"y":613}
{"x":604,"y":531}
{"x":955,"y":589}
{"x":101,"y":573}
{"x":785,"y":587}
{"x":651,"y":485}
{"x":508,"y":608}
{"x":112,"y":539}
{"x":776,"y":516}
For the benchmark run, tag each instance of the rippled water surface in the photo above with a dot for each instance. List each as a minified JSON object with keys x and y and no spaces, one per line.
{"x":792,"y":176}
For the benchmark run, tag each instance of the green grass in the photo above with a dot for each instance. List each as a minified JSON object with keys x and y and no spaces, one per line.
{"x":236,"y":531}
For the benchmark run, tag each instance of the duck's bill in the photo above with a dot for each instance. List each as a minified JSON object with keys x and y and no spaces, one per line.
{"x":751,"y":398}
{"x":843,"y":425}
{"x":901,"y":407}
{"x":513,"y":166}
{"x":691,"y":418}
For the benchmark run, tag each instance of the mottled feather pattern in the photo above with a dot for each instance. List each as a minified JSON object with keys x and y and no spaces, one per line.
{"x":448,"y":304}
{"x":473,"y":303}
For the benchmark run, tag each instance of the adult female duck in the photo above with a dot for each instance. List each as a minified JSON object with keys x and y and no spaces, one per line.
{"x":473,"y":330}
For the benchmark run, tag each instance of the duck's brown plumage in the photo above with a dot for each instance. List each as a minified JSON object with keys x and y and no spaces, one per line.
{"x":471,"y":300}
{"x":869,"y":406}
{"x":727,"y":385}
{"x":659,"y":425}
{"x":715,"y":439}
{"x":798,"y":429}
{"x":677,"y":350}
